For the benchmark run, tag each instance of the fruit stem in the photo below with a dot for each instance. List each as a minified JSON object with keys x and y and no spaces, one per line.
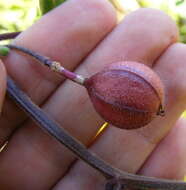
{"x":53,"y":65}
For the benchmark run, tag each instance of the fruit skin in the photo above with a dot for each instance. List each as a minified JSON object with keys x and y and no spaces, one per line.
{"x":126,"y":94}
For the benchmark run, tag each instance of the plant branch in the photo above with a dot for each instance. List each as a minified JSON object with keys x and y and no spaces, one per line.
{"x":53,"y":65}
{"x":8,"y":36}
{"x":46,"y":123}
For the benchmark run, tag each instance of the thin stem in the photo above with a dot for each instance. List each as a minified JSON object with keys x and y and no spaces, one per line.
{"x":142,"y":182}
{"x":8,"y":36}
{"x":54,"y":129}
{"x":53,"y":65}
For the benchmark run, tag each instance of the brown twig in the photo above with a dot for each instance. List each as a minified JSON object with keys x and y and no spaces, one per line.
{"x":117,"y":179}
{"x":53,"y":65}
{"x":8,"y":36}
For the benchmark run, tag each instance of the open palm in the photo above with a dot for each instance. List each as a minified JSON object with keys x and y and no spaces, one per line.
{"x":84,"y":37}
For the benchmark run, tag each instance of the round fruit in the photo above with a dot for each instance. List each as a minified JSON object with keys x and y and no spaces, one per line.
{"x":126,"y":94}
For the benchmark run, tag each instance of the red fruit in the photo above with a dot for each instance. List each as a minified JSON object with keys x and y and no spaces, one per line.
{"x":126,"y":94}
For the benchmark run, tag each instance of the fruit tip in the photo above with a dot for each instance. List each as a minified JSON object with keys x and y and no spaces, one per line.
{"x":161,"y":111}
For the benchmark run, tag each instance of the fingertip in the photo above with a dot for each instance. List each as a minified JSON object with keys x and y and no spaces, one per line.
{"x":152,"y":30}
{"x":168,"y":159}
{"x":89,"y":16}
{"x":158,"y":20}
{"x":163,"y":19}
{"x":2,"y":83}
{"x":171,"y":69}
{"x":142,"y":36}
{"x":105,"y":12}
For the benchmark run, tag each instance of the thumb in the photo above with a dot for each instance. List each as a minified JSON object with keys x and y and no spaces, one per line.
{"x":2,"y":83}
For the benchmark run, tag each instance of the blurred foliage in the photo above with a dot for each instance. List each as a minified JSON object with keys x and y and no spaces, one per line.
{"x":47,"y":5}
{"x":16,"y":15}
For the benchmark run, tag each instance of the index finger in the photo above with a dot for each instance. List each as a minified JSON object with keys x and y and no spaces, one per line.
{"x":66,"y":34}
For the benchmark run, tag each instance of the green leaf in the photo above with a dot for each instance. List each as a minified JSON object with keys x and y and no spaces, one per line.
{"x":4,"y":51}
{"x":179,"y":2}
{"x":47,"y":5}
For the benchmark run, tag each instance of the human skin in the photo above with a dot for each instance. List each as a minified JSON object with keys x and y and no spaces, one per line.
{"x":85,"y":44}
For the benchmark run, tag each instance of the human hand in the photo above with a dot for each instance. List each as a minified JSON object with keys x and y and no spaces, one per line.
{"x":34,"y":160}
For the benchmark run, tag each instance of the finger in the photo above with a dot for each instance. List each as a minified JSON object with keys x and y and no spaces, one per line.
{"x":2,"y":92}
{"x":132,"y":40}
{"x":2,"y":85}
{"x":168,"y":159}
{"x":66,"y":34}
{"x":85,"y":122}
{"x":128,"y":150}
